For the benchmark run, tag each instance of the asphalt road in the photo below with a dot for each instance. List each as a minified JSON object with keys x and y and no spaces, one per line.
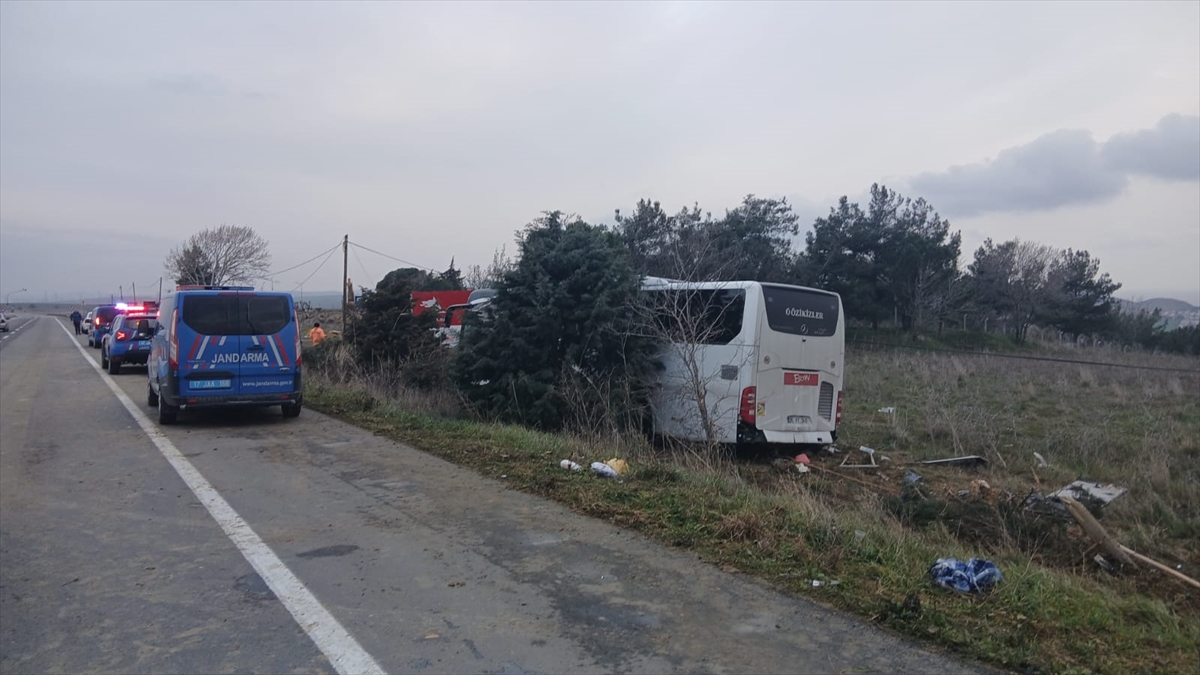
{"x":243,"y":542}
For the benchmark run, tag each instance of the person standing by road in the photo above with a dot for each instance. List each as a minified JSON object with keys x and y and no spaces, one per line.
{"x":316,"y":334}
{"x":77,"y":319}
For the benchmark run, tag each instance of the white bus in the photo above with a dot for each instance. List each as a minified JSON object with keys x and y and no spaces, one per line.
{"x":766,"y":359}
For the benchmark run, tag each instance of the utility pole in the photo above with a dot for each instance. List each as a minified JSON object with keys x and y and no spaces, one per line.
{"x":133,"y":285}
{"x":345,"y":274}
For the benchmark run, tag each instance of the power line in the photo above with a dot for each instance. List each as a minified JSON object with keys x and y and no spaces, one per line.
{"x":304,"y":263}
{"x":413,"y":264}
{"x":947,"y":350}
{"x":327,"y":257}
{"x":370,"y":277}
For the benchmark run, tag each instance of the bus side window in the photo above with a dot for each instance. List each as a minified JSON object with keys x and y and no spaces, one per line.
{"x":702,"y":316}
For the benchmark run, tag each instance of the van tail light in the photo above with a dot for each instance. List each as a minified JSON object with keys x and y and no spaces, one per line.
{"x":296,"y":323}
{"x":97,"y":320}
{"x":749,"y":398}
{"x":838,"y":419}
{"x":121,"y":335}
{"x":173,"y":357}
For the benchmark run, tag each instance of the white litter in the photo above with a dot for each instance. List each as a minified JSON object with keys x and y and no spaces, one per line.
{"x":1089,"y":491}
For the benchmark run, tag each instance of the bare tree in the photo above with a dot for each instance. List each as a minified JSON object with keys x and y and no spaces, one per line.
{"x":1028,"y":284}
{"x":222,"y":255}
{"x":692,"y":325}
{"x":1010,"y":282}
{"x":479,"y":277}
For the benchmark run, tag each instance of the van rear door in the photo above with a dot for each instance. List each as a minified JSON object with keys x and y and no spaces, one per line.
{"x":210,"y":344}
{"x":269,"y":349}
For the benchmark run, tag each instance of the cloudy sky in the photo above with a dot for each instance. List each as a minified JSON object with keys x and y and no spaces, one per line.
{"x":432,"y":131}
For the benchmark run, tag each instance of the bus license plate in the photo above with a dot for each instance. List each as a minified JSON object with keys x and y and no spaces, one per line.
{"x":210,"y":384}
{"x":801,"y":379}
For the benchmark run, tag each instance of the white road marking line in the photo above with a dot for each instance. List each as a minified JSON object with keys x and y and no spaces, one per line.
{"x":335,"y":642}
{"x":14,"y":331}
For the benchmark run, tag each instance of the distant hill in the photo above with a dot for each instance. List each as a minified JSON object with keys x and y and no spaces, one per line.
{"x":1175,"y":313}
{"x":1165,"y":305}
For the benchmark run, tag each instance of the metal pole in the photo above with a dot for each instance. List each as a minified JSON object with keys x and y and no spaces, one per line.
{"x":345,"y":273}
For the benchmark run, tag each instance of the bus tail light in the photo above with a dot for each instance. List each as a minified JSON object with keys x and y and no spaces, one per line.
{"x":173,"y":356}
{"x":749,"y":398}
{"x":838,"y":419}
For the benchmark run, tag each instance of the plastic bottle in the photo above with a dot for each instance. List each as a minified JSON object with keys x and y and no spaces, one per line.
{"x":568,"y":464}
{"x":603,"y":470}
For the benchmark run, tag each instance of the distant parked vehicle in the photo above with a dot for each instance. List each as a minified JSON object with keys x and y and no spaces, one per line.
{"x":102,"y":317}
{"x":3,"y":323}
{"x":128,"y":343}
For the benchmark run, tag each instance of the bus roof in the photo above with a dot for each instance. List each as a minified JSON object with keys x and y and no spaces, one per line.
{"x":660,"y":283}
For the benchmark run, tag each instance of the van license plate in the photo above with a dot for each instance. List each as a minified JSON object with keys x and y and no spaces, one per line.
{"x":799,"y":419}
{"x":210,"y":384}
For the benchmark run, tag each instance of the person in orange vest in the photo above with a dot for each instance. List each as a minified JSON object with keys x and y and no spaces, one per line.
{"x":316,"y":334}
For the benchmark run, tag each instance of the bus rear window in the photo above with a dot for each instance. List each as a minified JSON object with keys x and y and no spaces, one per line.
{"x":801,"y":312}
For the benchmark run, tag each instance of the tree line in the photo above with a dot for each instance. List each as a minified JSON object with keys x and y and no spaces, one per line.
{"x":893,"y":260}
{"x":563,"y":339}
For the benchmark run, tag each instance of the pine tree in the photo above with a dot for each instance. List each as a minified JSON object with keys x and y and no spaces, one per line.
{"x":559,"y":341}
{"x":387,"y":333}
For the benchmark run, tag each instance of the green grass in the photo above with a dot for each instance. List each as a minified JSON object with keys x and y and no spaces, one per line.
{"x":1050,"y":612}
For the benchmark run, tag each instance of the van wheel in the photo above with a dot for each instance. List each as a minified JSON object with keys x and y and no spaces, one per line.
{"x":291,"y":410}
{"x":166,"y":413}
{"x":103,"y":360}
{"x":151,"y":397}
{"x":114,"y":366}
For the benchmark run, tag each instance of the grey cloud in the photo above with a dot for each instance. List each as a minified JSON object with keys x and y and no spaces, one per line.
{"x":1171,"y":150}
{"x":1065,"y":168}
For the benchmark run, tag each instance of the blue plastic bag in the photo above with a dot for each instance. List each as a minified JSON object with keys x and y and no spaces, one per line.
{"x":974,"y":576}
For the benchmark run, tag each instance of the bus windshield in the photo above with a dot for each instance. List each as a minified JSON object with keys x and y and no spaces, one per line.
{"x":800,"y":311}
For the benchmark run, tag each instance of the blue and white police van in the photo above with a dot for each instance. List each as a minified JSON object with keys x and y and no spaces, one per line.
{"x":224,"y":346}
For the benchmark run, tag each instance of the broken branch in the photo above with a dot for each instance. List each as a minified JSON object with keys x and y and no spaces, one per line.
{"x":1161,"y":567}
{"x":1095,"y":531}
